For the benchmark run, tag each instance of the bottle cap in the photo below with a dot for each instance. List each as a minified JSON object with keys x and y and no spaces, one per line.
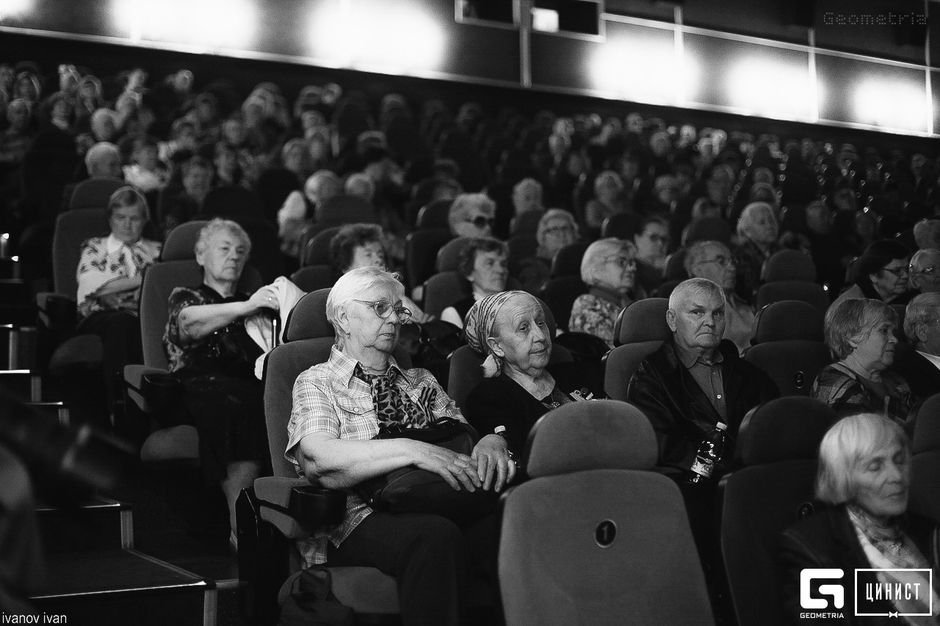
{"x":499,"y":430}
{"x":721,"y":426}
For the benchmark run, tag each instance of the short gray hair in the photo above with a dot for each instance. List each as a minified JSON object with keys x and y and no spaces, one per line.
{"x":920,"y":311}
{"x":219,"y":225}
{"x":464,"y":203}
{"x":98,"y":152}
{"x":693,"y":286}
{"x":846,"y":319}
{"x":360,"y":179}
{"x":597,"y":252}
{"x":353,"y":285}
{"x":748,"y":215}
{"x":555,"y":214}
{"x":696,"y":251}
{"x":845,"y":445}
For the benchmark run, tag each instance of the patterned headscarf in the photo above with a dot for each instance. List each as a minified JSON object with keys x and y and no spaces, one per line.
{"x":478,"y":326}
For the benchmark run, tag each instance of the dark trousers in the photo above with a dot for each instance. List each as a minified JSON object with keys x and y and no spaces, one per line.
{"x":120,"y":336}
{"x":427,"y":555}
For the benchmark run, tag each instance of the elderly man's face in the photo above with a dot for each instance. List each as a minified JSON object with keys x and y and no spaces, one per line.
{"x":698,"y":321}
{"x":717,"y":265}
{"x":490,"y":271}
{"x":925,"y":273}
{"x":367,"y":329}
{"x":882,"y":480}
{"x":522,"y":335}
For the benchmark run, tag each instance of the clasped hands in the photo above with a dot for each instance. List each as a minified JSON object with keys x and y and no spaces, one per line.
{"x":490,"y":466}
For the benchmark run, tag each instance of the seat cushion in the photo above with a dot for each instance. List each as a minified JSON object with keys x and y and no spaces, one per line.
{"x":174,"y":443}
{"x":81,"y":350}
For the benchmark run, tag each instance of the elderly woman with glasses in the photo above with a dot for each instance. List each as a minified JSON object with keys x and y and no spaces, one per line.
{"x":881,"y":273}
{"x":608,"y":268}
{"x":485,"y":265}
{"x":864,"y":476}
{"x":860,"y":332}
{"x":347,"y":417}
{"x":556,"y":229}
{"x":472,"y":215}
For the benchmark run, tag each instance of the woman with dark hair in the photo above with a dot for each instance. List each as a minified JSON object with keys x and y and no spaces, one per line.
{"x":865,"y":475}
{"x":881,"y":273}
{"x":484,"y":263}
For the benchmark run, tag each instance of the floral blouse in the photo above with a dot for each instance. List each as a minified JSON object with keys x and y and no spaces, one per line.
{"x":105,"y":258}
{"x":595,"y":316}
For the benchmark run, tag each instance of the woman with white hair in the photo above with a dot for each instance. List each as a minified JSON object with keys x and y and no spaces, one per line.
{"x":864,"y":476}
{"x":472,"y":215}
{"x":346,"y":427}
{"x":757,"y":240}
{"x":608,"y":268}
{"x":556,"y":229}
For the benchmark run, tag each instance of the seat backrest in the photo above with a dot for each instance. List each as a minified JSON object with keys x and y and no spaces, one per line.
{"x":793,"y":364}
{"x":94,"y":193}
{"x":675,"y":266}
{"x":644,"y":320}
{"x":778,"y":447}
{"x":790,"y":265}
{"x":71,"y":229}
{"x":346,"y":209}
{"x":449,"y":253}
{"x":421,"y":248}
{"x":559,"y":294}
{"x":160,"y":279}
{"x":925,"y":465}
{"x":180,"y":244}
{"x":622,"y":225}
{"x":621,"y":363}
{"x":567,"y":261}
{"x":231,"y":202}
{"x":592,"y":461}
{"x":792,"y":290}
{"x":316,"y":250}
{"x":709,"y":229}
{"x":434,"y":215}
{"x":313,"y":277}
{"x":442,"y":290}
{"x":788,"y":319}
{"x":307,"y":320}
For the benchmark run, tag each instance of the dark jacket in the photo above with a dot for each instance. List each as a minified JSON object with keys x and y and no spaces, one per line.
{"x":827,"y":540}
{"x":922,"y":376}
{"x":681,"y":413}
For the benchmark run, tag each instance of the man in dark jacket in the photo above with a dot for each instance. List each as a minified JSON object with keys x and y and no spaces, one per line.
{"x":919,"y":362}
{"x":696,"y":380}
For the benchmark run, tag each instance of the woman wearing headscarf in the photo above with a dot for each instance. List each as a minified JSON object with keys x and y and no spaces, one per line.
{"x":510,"y":330}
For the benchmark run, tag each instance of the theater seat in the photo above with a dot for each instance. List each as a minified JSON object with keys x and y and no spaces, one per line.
{"x":925,"y":465}
{"x":595,"y":536}
{"x":313,"y":277}
{"x":790,"y":265}
{"x":788,"y":319}
{"x":443,"y":290}
{"x":793,"y":364}
{"x":643,"y":330}
{"x":777,"y":448}
{"x":448,"y":255}
{"x":421,"y":248}
{"x":792,"y":290}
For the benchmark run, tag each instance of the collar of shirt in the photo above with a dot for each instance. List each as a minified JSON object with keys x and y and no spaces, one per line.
{"x":688,"y":358}
{"x":114,"y":244}
{"x":345,"y":367}
{"x":933,"y":358}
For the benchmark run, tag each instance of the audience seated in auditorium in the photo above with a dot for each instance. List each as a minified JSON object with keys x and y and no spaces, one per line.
{"x":923,"y":269}
{"x":110,"y":270}
{"x":606,"y":201}
{"x":472,"y":215}
{"x":485,"y":264}
{"x":509,"y":329}
{"x":881,"y":273}
{"x":299,"y":207}
{"x":338,"y":447}
{"x":556,"y":229}
{"x":696,"y":380}
{"x":861,"y":334}
{"x":210,"y":351}
{"x":608,"y":268}
{"x":652,"y":244}
{"x":713,"y":260}
{"x":184,"y":204}
{"x":864,"y":478}
{"x":527,"y":207}
{"x":919,"y":363}
{"x":757,"y":234}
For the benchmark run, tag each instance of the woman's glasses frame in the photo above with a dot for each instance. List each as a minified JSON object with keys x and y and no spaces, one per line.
{"x":384,"y":309}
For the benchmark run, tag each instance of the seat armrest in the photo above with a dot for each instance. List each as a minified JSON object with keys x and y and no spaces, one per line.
{"x":57,"y":312}
{"x":133,"y":378}
{"x":297,"y":508}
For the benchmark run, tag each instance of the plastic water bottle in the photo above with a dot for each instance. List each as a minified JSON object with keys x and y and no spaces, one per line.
{"x":709,"y":454}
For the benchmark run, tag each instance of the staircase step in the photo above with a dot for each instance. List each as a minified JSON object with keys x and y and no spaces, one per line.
{"x":124,"y":587}
{"x":100,"y":524}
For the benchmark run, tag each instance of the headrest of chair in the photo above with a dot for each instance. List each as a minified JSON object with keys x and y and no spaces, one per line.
{"x":788,"y":319}
{"x":595,"y":434}
{"x":784,"y":429}
{"x":790,"y":265}
{"x":180,"y":243}
{"x":927,"y":426}
{"x":645,"y":320}
{"x":308,"y":318}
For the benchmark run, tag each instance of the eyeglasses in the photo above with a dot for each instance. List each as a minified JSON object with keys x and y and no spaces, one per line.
{"x":481,"y":222}
{"x":558,"y":230}
{"x":622,"y":261}
{"x":723,"y":261}
{"x":930,"y":269}
{"x":897,"y":271}
{"x":384,"y":309}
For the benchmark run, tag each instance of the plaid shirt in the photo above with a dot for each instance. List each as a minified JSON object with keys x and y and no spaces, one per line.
{"x":328,"y":398}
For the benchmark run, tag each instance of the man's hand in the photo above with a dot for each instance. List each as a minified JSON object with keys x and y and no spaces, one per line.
{"x":494,"y":462}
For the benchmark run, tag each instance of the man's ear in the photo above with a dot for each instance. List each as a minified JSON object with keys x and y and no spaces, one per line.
{"x":920,"y":333}
{"x":493,"y":343}
{"x":671,"y":319}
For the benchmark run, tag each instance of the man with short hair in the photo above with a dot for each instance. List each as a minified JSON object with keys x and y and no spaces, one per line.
{"x":919,"y":361}
{"x":713,"y":260}
{"x":924,"y":274}
{"x":696,"y":380}
{"x":927,"y":233}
